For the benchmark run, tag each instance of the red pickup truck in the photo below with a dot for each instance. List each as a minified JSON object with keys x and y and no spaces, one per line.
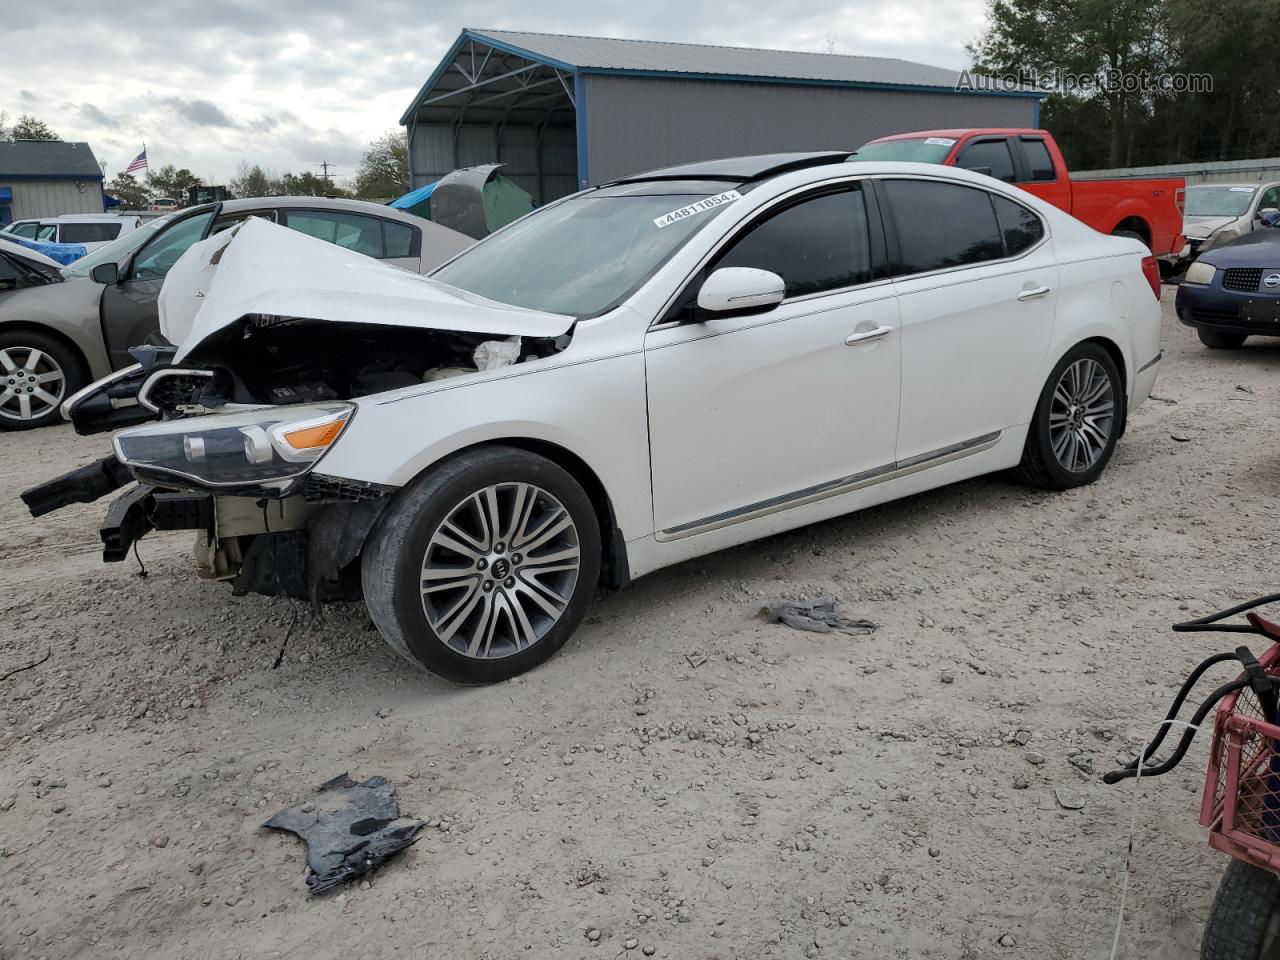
{"x":1149,"y":209}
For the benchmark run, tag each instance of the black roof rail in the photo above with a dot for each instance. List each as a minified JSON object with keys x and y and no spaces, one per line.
{"x":740,"y":169}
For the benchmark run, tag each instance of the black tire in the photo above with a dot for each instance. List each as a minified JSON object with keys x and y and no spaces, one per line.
{"x":1218,"y":340}
{"x":17,"y":343}
{"x":1244,"y":922}
{"x":1040,"y":467}
{"x":392,"y":563}
{"x":1132,"y":235}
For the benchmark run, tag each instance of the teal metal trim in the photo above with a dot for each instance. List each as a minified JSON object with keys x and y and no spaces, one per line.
{"x":92,"y":177}
{"x":580,"y":128}
{"x":805,"y":82}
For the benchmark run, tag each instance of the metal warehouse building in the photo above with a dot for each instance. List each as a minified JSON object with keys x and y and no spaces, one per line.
{"x":46,"y":178}
{"x":566,"y":112}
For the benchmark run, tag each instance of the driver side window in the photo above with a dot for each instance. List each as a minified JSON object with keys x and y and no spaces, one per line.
{"x":1270,"y":200}
{"x":157,"y":258}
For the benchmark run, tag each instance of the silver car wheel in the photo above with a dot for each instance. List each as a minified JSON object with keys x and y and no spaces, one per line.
{"x":1081,"y":415}
{"x":499,"y":570}
{"x":32,"y":383}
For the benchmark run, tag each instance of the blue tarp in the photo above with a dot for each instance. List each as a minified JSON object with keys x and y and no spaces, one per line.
{"x":63,"y":253}
{"x":413,"y":197}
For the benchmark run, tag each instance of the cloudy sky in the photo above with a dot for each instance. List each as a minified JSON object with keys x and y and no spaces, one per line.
{"x":289,"y":83}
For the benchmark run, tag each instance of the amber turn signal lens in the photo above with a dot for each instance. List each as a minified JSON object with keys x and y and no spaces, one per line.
{"x":308,"y":438}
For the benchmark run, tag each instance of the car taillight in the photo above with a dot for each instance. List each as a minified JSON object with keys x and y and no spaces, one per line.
{"x":1180,"y":198}
{"x":1151,"y":270}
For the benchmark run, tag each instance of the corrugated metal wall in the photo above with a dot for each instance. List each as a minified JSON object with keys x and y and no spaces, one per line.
{"x":547,"y":170}
{"x":1212,"y":171}
{"x":640,"y":123}
{"x":51,"y":198}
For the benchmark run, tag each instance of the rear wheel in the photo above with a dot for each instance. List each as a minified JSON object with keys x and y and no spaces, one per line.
{"x":1218,"y":340}
{"x":483,"y":567}
{"x":37,"y":373}
{"x":1077,"y":421}
{"x":1244,"y":922}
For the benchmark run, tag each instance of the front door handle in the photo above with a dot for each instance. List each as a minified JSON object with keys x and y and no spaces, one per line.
{"x":866,"y":335}
{"x":1035,"y":293}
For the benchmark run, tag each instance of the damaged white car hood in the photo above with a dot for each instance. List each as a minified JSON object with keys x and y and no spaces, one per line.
{"x":260,"y":267}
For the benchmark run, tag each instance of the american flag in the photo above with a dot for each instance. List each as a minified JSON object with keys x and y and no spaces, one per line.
{"x":139,"y":162}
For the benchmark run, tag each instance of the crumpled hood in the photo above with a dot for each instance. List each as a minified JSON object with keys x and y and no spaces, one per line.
{"x":260,"y":267}
{"x":1203,"y":226}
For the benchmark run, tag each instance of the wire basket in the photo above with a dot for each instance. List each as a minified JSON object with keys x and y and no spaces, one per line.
{"x":1241,"y":803}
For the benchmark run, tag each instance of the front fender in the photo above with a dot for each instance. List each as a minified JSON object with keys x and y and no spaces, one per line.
{"x":595,"y":409}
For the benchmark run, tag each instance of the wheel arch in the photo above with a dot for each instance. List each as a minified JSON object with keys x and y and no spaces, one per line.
{"x":615,"y":570}
{"x":1137,"y":225}
{"x":30,"y":326}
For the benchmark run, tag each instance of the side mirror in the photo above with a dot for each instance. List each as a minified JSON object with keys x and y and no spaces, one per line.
{"x":106,"y":273}
{"x":741,"y":290}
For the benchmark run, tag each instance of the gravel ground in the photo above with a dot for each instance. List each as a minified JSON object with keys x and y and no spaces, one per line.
{"x":683,"y":780}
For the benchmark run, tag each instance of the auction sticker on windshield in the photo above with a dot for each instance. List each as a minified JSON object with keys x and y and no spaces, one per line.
{"x":701,"y":206}
{"x":939,"y":141}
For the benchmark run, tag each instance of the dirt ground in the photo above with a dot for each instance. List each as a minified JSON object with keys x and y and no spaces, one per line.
{"x":683,"y":780}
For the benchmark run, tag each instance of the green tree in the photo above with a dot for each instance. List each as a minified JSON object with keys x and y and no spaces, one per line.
{"x":309,"y":184}
{"x":1095,"y":38}
{"x":128,"y":191}
{"x":27,"y":127}
{"x":169,"y":181}
{"x":384,"y":169}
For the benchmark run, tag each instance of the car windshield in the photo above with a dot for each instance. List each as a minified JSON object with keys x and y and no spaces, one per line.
{"x":114,"y":251}
{"x":1218,"y":201}
{"x":583,"y":256}
{"x":924,"y":150}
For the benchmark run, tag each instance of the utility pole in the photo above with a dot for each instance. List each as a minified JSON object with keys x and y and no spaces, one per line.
{"x":325,"y":165}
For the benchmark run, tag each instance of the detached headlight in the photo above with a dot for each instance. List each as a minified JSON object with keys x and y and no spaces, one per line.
{"x":1200,"y":272}
{"x":254,"y":447}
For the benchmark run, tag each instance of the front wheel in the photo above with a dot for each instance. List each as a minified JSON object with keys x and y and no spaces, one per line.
{"x":36,"y":374}
{"x":1077,"y":421}
{"x":1217,"y":340}
{"x":483,"y":567}
{"x":1244,"y":922}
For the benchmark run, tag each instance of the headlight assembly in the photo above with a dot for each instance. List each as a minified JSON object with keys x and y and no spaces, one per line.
{"x":266,"y":447}
{"x":1200,"y":273}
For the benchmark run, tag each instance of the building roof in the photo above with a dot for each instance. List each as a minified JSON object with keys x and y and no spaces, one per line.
{"x":48,"y":159}
{"x":496,"y":74}
{"x":607,"y":54}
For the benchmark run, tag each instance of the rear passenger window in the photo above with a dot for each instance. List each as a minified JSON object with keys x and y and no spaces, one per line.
{"x":942,"y":225}
{"x":815,"y":245}
{"x":399,"y":238}
{"x":1039,"y":163}
{"x":89,"y":232}
{"x":991,"y":157}
{"x":1020,"y":227}
{"x":352,"y":231}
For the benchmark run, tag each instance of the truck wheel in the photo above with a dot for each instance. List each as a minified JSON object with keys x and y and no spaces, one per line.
{"x":1217,"y":340}
{"x":1077,"y":421}
{"x":483,"y":567}
{"x":36,"y":374}
{"x":1244,"y":922}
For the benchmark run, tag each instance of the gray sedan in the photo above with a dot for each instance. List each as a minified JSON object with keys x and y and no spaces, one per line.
{"x":62,"y":330}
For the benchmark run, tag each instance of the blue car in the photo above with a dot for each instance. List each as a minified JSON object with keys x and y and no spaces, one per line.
{"x":1233,"y":292}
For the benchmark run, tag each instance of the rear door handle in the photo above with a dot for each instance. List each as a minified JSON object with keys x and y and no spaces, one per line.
{"x":1034,"y":294}
{"x":866,"y":335}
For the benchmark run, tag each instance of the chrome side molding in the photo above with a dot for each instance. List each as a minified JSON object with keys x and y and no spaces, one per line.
{"x":832,"y":488}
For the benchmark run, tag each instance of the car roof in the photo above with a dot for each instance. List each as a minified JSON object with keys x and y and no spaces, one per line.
{"x":1251,"y":186}
{"x":740,"y":169}
{"x":328,"y":203}
{"x":960,"y":133}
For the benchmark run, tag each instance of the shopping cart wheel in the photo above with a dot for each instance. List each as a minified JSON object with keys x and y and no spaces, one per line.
{"x":1244,"y":923}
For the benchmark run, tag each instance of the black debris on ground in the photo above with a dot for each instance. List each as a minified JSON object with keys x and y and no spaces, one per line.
{"x":817,"y":616}
{"x":350,"y":828}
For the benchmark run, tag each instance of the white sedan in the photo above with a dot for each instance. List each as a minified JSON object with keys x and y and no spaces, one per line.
{"x":638,"y":374}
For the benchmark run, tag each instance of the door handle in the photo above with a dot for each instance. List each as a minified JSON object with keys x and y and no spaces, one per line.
{"x":1034,"y":294}
{"x":876,"y":334}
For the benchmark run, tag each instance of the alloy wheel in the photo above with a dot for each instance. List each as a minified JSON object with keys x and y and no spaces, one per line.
{"x":32,"y":383}
{"x":1081,"y":415}
{"x":499,"y":570}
